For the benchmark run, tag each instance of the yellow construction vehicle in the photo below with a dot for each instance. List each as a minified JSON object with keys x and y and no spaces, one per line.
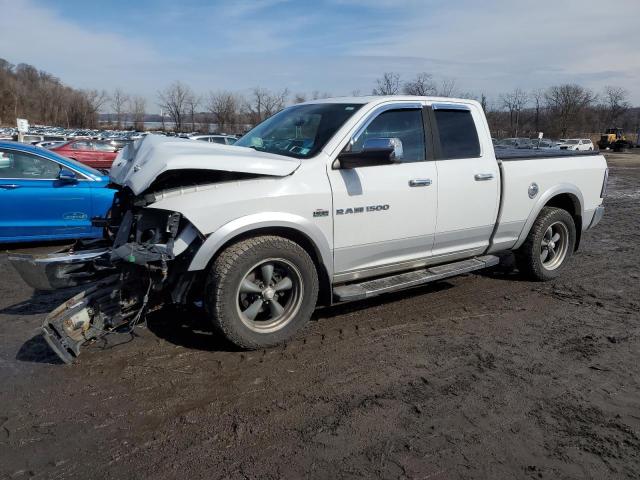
{"x":614,"y":139}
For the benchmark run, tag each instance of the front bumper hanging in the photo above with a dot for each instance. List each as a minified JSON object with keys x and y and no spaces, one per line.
{"x":63,"y":269}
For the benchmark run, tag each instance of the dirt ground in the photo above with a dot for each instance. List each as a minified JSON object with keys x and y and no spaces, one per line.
{"x":482,"y":376}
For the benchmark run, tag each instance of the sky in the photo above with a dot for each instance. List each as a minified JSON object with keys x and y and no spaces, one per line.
{"x":334,"y":46}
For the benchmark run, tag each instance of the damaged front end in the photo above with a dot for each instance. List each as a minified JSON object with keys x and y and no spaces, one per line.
{"x":142,"y":266}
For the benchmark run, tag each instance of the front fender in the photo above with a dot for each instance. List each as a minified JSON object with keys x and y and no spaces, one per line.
{"x":242,"y":225}
{"x":559,"y":189}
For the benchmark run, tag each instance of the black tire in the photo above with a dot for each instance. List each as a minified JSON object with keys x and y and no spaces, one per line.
{"x":225,"y":300}
{"x":529,"y":255}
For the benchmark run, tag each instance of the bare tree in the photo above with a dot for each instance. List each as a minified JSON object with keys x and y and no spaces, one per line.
{"x":299,"y":98}
{"x":174,"y":101}
{"x":317,"y":94}
{"x":92,"y":101}
{"x":192,"y":101}
{"x":537,"y":97}
{"x":514,"y":102}
{"x":118,"y":101}
{"x":263,"y":103}
{"x":224,"y":106}
{"x":388,"y":84}
{"x":137,"y":107}
{"x":566,"y":103}
{"x":614,"y":103}
{"x":484,"y":102}
{"x":422,"y":85}
{"x":447,"y":87}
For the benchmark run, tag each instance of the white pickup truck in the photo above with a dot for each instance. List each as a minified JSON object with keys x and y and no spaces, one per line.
{"x":327,"y":201}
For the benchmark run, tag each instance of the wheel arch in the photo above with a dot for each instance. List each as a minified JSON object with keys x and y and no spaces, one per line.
{"x":295,"y":228}
{"x":565,"y":196}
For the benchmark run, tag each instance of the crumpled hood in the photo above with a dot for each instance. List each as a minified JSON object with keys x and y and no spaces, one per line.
{"x":139,"y":164}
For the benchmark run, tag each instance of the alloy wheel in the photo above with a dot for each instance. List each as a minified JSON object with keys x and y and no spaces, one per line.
{"x":554,"y":245}
{"x":269,"y":295}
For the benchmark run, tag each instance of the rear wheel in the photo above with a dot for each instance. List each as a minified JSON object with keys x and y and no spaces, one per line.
{"x":549,"y":245}
{"x":262,"y":290}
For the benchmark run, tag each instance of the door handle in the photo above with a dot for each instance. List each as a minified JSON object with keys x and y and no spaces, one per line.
{"x":483,"y":177}
{"x":9,"y":186}
{"x":420,"y":182}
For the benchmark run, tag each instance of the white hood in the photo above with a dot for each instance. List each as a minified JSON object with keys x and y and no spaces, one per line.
{"x":140,"y":163}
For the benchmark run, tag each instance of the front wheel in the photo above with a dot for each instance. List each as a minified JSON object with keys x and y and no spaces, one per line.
{"x":549,"y":245}
{"x":261,"y":290}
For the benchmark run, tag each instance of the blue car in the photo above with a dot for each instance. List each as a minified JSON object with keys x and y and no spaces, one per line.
{"x":44,"y":196}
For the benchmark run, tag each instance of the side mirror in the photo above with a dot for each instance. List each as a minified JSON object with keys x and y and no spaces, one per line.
{"x":67,"y":176}
{"x":374,"y":152}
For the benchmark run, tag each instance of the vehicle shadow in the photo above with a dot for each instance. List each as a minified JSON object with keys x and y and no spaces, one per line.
{"x":190,"y":327}
{"x":505,"y":270}
{"x":36,"y":350}
{"x":41,"y":302}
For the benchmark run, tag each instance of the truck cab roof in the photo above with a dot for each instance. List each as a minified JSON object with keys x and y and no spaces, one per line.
{"x":378,"y":99}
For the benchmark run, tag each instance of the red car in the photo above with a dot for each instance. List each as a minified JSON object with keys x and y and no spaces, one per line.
{"x":95,"y":153}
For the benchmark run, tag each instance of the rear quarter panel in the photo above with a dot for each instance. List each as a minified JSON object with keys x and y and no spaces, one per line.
{"x":581,"y":176}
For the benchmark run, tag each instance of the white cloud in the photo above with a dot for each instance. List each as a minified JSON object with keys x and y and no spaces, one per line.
{"x":488,"y":46}
{"x":80,"y":56}
{"x":524,"y":44}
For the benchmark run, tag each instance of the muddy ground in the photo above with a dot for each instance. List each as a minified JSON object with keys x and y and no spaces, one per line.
{"x":481,"y":376}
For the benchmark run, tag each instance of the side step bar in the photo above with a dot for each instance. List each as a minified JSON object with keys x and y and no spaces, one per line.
{"x":371,"y":288}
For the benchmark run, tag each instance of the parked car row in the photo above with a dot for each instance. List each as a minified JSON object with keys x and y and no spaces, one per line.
{"x":581,"y":144}
{"x":46,"y":133}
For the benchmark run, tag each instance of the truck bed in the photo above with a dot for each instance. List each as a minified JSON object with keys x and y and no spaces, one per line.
{"x":531,"y":154}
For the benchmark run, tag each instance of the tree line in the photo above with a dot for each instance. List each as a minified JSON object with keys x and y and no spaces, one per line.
{"x":26,"y":92}
{"x":559,"y":111}
{"x":562,"y":111}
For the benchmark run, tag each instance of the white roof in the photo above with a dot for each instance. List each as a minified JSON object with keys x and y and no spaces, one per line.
{"x":386,"y":98}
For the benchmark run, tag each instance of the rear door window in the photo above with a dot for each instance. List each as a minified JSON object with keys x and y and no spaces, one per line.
{"x":457,"y":134}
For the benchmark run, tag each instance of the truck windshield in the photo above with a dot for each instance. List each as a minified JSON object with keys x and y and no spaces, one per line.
{"x":300,"y":131}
